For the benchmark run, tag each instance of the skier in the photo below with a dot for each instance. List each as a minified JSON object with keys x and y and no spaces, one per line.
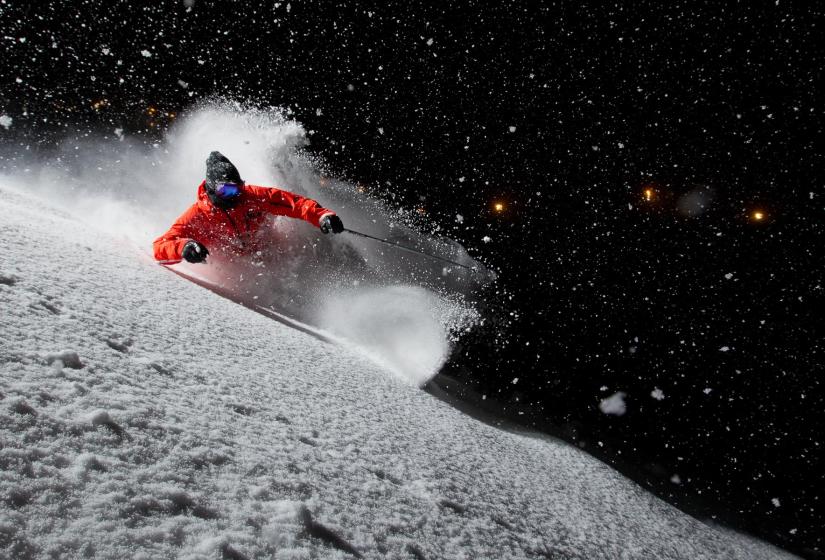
{"x":228,"y":215}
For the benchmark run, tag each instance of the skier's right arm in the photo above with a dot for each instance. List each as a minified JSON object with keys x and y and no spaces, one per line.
{"x":168,"y":247}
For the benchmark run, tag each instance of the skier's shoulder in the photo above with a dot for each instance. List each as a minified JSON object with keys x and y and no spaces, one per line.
{"x":267,"y":194}
{"x":259,"y":191}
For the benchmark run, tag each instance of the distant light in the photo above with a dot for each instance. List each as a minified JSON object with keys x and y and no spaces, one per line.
{"x":498,"y":207}
{"x":649,"y":193}
{"x":758,"y":215}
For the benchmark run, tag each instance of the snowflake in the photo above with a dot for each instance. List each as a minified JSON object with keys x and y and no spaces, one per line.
{"x":614,"y":404}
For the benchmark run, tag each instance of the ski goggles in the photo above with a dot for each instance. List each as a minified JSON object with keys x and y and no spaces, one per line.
{"x":227,"y":190}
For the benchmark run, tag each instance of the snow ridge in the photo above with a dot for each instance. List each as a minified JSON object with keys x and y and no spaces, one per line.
{"x":142,"y":416}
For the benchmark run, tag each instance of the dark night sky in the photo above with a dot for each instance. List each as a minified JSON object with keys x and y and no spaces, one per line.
{"x":566,"y":114}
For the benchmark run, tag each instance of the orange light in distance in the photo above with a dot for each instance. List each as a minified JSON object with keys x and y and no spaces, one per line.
{"x":649,"y":193}
{"x":498,"y":206}
{"x":758,"y":216}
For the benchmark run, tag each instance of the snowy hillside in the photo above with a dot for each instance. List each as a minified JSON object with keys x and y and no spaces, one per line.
{"x":142,"y":416}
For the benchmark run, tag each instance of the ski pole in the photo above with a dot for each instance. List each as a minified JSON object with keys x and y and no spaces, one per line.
{"x":405,"y":248}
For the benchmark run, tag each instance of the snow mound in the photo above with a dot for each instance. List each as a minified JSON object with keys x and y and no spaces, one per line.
{"x":196,"y":428}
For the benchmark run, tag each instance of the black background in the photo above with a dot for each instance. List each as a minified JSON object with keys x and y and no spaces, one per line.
{"x":600,"y":290}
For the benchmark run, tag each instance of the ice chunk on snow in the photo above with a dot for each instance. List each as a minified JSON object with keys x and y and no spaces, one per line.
{"x":614,"y":404}
{"x":67,"y":358}
{"x":100,"y":418}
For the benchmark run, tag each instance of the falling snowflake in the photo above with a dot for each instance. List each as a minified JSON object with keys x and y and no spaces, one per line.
{"x":614,"y":404}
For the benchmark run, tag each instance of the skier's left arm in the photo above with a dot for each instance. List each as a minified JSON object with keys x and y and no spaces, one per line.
{"x":285,"y":203}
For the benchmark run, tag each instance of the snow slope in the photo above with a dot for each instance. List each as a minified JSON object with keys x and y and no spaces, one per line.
{"x":142,"y":416}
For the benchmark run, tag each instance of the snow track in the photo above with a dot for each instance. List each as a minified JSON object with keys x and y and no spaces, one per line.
{"x":142,"y":416}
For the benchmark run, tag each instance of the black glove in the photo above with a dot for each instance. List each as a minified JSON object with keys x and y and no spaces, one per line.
{"x":331,"y":222}
{"x":194,"y":252}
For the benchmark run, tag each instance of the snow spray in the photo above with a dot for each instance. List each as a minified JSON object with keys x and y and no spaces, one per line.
{"x":400,"y":309}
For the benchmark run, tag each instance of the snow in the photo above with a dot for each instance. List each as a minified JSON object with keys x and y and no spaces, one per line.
{"x":155,"y":182}
{"x":614,"y":404}
{"x":144,"y":417}
{"x":5,"y":121}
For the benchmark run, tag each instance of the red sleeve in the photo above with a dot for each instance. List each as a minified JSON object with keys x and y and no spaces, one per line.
{"x":169,"y":246}
{"x":285,"y":203}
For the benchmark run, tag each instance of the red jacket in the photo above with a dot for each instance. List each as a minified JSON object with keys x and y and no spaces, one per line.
{"x":233,"y":230}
